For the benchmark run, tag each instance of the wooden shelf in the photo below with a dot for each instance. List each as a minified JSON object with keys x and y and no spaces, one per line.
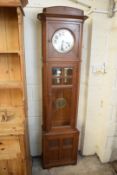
{"x":10,"y":52}
{"x":11,"y":106}
{"x":10,"y":85}
{"x":12,"y":94}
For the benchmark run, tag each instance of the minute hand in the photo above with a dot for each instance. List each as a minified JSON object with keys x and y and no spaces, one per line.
{"x":62,"y":43}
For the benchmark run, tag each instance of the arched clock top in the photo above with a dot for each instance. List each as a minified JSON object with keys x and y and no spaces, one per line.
{"x":62,"y":11}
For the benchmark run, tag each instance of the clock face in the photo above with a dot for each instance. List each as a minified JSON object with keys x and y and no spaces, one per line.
{"x":63,"y":40}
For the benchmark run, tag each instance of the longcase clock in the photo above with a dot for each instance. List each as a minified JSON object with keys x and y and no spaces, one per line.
{"x":61,"y":42}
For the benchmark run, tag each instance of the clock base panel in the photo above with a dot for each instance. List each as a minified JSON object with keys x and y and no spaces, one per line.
{"x":60,"y":148}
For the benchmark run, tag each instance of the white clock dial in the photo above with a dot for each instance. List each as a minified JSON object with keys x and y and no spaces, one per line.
{"x":63,"y":40}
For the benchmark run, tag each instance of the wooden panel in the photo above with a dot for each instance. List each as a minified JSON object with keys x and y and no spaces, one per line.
{"x":9,"y":147}
{"x":50,"y":148}
{"x":3,"y":44}
{"x":61,"y":116}
{"x":8,"y":30}
{"x":12,"y":167}
{"x":10,"y":98}
{"x":12,"y":147}
{"x":67,"y":148}
{"x":60,"y":148}
{"x":10,"y":67}
{"x":11,"y":85}
{"x":54,"y":149}
{"x":3,"y":168}
{"x":11,"y":121}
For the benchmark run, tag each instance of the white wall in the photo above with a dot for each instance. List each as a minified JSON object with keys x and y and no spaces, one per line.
{"x":97,"y":115}
{"x":34,"y":79}
{"x":112,"y":122}
{"x":101,"y":115}
{"x":99,"y":87}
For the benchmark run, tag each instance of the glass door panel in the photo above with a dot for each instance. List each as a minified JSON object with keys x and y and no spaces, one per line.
{"x":62,"y":76}
{"x":56,"y":81}
{"x":67,"y":81}
{"x":56,"y":71}
{"x":68,"y":71}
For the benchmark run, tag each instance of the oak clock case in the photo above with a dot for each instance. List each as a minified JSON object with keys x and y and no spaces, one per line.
{"x":61,"y":42}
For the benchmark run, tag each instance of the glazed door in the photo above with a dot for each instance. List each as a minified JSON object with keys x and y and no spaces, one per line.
{"x":62,"y":84}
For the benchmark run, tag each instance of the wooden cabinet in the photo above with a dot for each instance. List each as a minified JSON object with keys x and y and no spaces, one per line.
{"x":59,"y":148}
{"x":14,"y":148}
{"x":61,"y":45}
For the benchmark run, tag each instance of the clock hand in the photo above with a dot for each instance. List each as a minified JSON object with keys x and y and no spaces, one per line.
{"x":62,"y":45}
{"x":68,"y":44}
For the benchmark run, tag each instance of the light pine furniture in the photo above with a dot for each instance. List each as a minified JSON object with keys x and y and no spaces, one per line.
{"x":61,"y":43}
{"x":14,"y":147}
{"x":13,"y":3}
